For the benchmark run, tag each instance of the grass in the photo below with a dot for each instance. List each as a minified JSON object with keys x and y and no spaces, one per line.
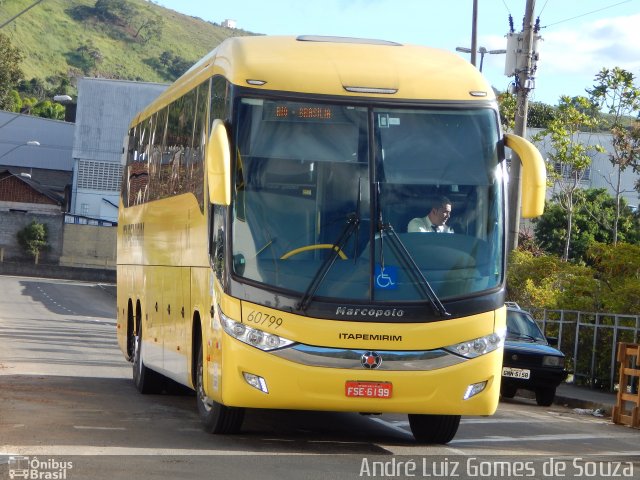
{"x":48,"y":35}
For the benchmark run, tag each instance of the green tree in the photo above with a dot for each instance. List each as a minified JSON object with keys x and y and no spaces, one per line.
{"x":178,"y":66}
{"x":90,"y":56}
{"x":148,"y":27}
{"x":568,"y":157}
{"x":35,"y":87}
{"x":13,"y":102}
{"x":545,"y":281}
{"x":165,"y":58}
{"x":507,"y":105}
{"x":33,"y":238}
{"x":616,"y":93}
{"x":10,"y":72}
{"x":618,"y":267}
{"x":48,"y":109}
{"x":592,"y":220}
{"x":112,"y":10}
{"x":540,"y":115}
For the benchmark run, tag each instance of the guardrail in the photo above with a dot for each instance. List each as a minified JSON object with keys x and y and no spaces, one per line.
{"x":629,"y":368}
{"x":589,"y":341}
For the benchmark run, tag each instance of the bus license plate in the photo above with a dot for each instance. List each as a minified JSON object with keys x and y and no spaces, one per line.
{"x":354,"y":388}
{"x":516,"y":372}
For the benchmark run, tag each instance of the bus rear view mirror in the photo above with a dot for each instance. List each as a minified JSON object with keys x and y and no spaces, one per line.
{"x":534,"y":175}
{"x":219,"y":165}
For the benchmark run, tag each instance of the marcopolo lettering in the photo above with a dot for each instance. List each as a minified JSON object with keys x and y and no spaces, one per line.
{"x":369,"y":312}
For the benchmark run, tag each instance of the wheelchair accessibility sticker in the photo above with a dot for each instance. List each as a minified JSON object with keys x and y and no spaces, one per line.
{"x":386,"y":277}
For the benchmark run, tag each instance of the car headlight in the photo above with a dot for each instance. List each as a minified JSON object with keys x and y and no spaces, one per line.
{"x":552,"y":361}
{"x":478,"y":346}
{"x":252,"y":336}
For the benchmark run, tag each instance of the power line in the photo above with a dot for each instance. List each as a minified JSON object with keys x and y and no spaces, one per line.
{"x":585,"y":14}
{"x":23,"y":11}
{"x":543,"y":7}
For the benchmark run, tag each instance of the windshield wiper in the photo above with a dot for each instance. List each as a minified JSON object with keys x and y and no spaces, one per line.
{"x":412,"y":267}
{"x":353,"y":221}
{"x":407,"y":259}
{"x":523,"y":335}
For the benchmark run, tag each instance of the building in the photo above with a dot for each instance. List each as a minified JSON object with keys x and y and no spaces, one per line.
{"x":229,"y":23}
{"x":601,"y":173}
{"x":104,"y":112}
{"x":36,"y":172}
{"x":40,"y":147}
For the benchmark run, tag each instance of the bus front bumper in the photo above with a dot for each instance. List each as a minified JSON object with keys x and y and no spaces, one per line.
{"x":248,"y":377}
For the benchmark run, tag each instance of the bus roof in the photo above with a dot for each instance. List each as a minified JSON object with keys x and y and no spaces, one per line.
{"x":335,"y":66}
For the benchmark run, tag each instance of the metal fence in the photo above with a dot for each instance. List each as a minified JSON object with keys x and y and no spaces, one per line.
{"x":589,"y":341}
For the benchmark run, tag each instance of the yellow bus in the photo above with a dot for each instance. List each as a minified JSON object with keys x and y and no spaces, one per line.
{"x":264,"y":257}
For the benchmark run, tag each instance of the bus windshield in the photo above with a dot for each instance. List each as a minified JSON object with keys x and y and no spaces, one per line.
{"x":324,"y":194}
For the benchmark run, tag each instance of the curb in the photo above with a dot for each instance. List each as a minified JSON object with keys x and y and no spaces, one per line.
{"x":570,"y":402}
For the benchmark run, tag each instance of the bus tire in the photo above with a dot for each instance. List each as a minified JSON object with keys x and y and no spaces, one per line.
{"x":545,"y":396}
{"x":434,"y":428}
{"x":145,"y":379}
{"x":215,"y":417}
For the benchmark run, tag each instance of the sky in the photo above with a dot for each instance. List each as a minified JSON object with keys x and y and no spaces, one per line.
{"x":579,"y":37}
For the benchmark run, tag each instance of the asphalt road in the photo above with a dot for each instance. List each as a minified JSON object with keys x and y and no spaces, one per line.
{"x":68,"y":406}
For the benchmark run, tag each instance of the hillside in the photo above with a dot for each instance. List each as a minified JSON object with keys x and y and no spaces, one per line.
{"x":70,"y":38}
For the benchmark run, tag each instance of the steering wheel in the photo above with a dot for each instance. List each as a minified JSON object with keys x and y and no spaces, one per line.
{"x":317,"y":246}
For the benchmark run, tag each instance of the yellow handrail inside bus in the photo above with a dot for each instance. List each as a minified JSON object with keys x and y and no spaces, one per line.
{"x":317,"y":246}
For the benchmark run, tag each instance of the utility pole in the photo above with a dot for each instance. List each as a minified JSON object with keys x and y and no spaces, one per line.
{"x":474,"y":33}
{"x":523,"y":84}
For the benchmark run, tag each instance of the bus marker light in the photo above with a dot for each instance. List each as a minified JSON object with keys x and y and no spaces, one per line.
{"x":256,"y":381}
{"x":474,"y":389}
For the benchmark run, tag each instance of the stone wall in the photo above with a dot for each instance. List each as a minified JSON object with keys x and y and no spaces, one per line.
{"x":89,"y":246}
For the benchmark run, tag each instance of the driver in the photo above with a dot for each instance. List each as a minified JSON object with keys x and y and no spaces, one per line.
{"x":436,"y":219}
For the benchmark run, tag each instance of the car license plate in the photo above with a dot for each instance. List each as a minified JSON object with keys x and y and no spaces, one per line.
{"x":516,"y":372}
{"x":353,"y":388}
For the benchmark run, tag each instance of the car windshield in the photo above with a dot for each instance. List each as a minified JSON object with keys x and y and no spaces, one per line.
{"x":319,"y":188}
{"x":522,"y":326}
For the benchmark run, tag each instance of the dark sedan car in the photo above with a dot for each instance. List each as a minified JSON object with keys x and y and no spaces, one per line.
{"x":530,"y":361}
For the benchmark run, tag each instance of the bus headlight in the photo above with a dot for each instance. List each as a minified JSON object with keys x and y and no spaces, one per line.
{"x":478,"y":346}
{"x":252,"y":336}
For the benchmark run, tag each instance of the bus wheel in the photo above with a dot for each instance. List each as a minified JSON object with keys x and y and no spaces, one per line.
{"x":215,"y":417}
{"x":145,"y":379}
{"x":434,"y":428}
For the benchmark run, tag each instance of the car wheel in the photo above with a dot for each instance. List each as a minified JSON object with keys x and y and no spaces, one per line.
{"x":434,"y":428}
{"x":508,"y":391}
{"x":545,"y":396}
